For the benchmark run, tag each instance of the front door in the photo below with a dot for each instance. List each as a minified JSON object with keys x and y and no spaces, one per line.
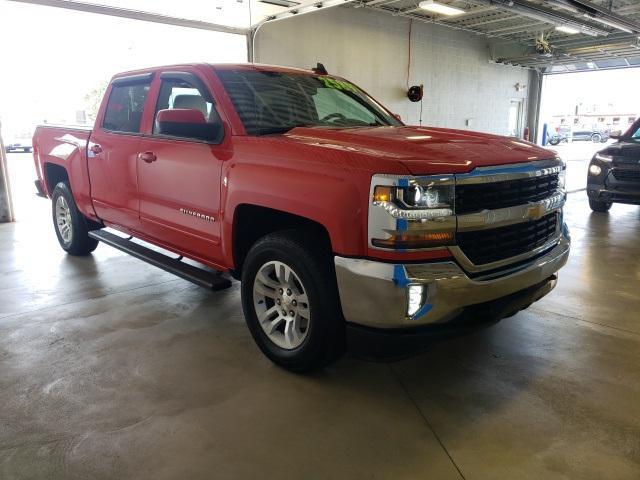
{"x":113,"y":152}
{"x":179,"y":177}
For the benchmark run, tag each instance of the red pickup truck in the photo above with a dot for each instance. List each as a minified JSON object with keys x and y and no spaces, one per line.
{"x":342,"y":223}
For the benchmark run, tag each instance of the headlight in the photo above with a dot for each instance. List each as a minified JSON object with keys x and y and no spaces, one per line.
{"x":595,"y":170}
{"x":411,"y":213}
{"x":562,"y":179}
{"x":415,"y":200}
{"x":562,"y":176}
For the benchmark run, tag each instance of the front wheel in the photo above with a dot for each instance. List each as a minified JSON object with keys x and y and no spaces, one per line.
{"x":290,"y":301}
{"x":554,"y":141}
{"x":599,"y":205}
{"x":70,"y":225}
{"x":596,"y":138}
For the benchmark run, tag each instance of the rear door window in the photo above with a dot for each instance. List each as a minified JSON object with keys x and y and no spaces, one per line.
{"x":125,"y":107}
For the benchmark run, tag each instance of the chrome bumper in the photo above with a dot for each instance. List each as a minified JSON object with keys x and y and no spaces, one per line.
{"x":374,"y":294}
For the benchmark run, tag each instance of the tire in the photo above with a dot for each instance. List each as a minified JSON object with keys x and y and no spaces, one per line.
{"x":313,"y":336}
{"x":554,"y":141}
{"x":74,"y":239}
{"x":599,"y":205}
{"x":596,"y":138}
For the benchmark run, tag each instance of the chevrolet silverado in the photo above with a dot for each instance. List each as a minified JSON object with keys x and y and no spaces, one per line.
{"x":341,"y":222}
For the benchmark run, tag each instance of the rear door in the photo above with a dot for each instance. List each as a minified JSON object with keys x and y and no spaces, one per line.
{"x":179,"y":176}
{"x":113,"y":151}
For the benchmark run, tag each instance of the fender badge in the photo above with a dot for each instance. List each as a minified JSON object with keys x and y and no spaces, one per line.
{"x":199,"y":215}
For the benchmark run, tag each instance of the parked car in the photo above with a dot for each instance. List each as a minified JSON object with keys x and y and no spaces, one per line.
{"x":561,"y":134}
{"x":21,"y":141}
{"x":614,"y":173}
{"x":340,"y":221}
{"x":565,"y":134}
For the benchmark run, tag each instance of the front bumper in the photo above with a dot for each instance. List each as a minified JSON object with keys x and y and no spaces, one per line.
{"x":375,"y":294}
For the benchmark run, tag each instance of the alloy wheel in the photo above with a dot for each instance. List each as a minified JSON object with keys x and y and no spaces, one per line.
{"x":63,"y":220}
{"x":281,"y":305}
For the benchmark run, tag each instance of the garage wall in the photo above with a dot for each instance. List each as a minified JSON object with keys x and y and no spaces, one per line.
{"x":371,"y":49}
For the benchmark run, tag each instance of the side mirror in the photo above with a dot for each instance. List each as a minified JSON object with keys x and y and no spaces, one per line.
{"x":615,"y":134}
{"x":187,"y":123}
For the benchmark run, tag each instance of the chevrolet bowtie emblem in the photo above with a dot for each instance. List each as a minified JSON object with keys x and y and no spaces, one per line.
{"x":536,"y":212}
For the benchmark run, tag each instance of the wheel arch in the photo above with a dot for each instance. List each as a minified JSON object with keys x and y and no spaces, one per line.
{"x":252,"y":222}
{"x":54,"y":174}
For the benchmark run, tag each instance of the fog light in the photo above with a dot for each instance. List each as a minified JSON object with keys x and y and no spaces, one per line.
{"x":595,"y":170}
{"x":415,"y":298}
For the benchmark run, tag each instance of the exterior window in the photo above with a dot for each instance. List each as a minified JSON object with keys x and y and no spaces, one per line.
{"x":276,"y":102}
{"x":600,"y":119}
{"x":330,"y":102}
{"x":616,"y":120}
{"x":630,"y":120}
{"x":575,"y":121}
{"x":125,"y":107}
{"x":179,"y":94}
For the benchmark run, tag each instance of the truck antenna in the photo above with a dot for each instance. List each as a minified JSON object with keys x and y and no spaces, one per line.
{"x":320,"y":70}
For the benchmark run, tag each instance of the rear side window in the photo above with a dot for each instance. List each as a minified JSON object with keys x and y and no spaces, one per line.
{"x":125,"y":107}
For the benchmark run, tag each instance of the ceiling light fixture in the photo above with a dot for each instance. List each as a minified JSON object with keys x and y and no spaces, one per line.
{"x":567,"y":30}
{"x":440,"y":8}
{"x":610,"y":23}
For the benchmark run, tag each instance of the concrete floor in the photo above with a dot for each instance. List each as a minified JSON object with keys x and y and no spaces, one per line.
{"x":110,"y":368}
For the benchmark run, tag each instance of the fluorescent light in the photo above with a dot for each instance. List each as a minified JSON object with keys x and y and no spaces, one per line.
{"x":610,"y":23}
{"x":440,"y":8}
{"x":569,"y":30}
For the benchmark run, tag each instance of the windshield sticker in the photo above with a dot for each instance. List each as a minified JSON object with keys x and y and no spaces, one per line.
{"x":338,"y":84}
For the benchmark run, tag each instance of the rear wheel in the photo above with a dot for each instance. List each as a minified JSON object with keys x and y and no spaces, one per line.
{"x":70,"y":225}
{"x":599,"y":205}
{"x":554,"y":141}
{"x":290,"y":301}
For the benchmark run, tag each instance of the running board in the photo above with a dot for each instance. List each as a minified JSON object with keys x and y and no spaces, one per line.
{"x":199,"y":276}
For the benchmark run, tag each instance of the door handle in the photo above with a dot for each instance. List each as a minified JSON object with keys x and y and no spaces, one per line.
{"x":148,"y":157}
{"x":95,"y":149}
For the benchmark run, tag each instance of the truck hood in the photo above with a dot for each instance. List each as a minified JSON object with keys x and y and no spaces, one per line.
{"x":424,"y":150}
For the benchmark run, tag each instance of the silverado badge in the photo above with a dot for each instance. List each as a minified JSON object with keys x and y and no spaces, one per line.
{"x":199,"y":215}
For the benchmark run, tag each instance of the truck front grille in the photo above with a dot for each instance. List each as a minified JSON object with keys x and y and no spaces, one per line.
{"x":487,"y":246}
{"x":626,"y":175}
{"x":490,"y":196}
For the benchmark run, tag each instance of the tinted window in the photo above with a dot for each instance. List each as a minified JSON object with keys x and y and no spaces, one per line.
{"x":125,"y":107}
{"x":183,"y":95}
{"x":273,"y":102}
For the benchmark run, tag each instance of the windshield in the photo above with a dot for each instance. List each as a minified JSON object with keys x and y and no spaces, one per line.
{"x":635,"y":135}
{"x":275,"y":102}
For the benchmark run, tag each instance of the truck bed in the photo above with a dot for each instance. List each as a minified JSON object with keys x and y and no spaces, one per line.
{"x":63,"y":146}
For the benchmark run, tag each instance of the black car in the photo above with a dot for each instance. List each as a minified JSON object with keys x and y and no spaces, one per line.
{"x":614,"y":173}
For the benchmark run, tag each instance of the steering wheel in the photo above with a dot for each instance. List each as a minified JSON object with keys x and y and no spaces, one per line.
{"x":334,"y":116}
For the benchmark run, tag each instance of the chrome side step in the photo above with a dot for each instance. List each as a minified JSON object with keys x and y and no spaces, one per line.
{"x":199,"y":276}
